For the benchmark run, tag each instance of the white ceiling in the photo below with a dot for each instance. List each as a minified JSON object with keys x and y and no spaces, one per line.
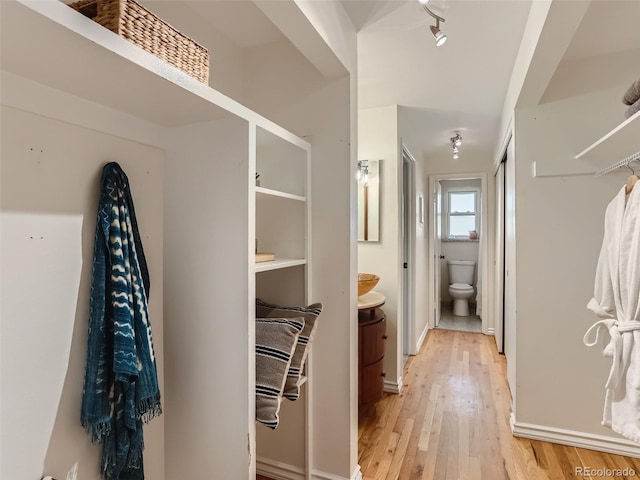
{"x":458,"y":86}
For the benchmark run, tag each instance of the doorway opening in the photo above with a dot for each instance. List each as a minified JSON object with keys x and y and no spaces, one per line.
{"x":408,"y":233}
{"x":458,"y":250}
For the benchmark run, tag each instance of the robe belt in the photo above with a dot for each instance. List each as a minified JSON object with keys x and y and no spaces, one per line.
{"x":615,"y":347}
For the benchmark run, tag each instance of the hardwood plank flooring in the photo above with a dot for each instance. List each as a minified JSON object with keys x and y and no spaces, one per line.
{"x":451,"y":421}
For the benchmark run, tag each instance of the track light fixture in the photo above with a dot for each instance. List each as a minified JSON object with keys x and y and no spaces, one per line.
{"x":440,"y":37}
{"x":456,"y":141}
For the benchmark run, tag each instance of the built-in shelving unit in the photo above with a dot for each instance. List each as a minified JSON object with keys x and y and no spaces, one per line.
{"x":282,"y":226}
{"x":72,"y":69}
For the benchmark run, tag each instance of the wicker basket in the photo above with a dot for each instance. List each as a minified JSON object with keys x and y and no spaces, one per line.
{"x":135,"y":23}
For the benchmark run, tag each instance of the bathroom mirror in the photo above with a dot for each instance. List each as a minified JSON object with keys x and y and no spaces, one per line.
{"x":369,"y":200}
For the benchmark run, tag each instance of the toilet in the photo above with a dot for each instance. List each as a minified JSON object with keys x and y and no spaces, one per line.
{"x":461,"y":285}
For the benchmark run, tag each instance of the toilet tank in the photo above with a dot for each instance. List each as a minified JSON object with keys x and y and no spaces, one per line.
{"x":461,"y":271}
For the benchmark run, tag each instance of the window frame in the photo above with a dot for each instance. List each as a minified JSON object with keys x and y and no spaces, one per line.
{"x":449,"y":214}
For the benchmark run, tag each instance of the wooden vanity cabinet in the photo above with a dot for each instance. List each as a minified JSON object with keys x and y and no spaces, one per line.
{"x":372,"y":328}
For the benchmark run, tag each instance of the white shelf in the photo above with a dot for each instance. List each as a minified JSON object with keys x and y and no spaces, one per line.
{"x":279,"y":263}
{"x":54,"y":51}
{"x":277,"y":193}
{"x":64,"y":50}
{"x":617,"y":144}
{"x":604,"y":155}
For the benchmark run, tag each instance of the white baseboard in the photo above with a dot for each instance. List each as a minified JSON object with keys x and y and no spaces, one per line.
{"x":317,"y":475}
{"x":601,"y":443}
{"x":357,"y":473}
{"x":423,"y":335}
{"x":393,"y":387}
{"x":278,"y":470}
{"x":283,"y":471}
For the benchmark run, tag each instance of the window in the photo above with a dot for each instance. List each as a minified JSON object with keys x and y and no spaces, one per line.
{"x":462,"y":213}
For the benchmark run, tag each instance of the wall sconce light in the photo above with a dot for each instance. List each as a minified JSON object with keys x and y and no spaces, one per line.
{"x":440,"y":37}
{"x":363,"y":172}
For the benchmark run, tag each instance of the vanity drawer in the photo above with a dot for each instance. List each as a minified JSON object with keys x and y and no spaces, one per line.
{"x":372,"y":337}
{"x":371,"y":383}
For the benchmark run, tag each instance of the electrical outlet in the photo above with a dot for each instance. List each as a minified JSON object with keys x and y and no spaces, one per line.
{"x":73,"y":473}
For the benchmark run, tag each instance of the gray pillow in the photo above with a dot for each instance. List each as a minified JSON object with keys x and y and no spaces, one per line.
{"x":276,"y":340}
{"x":310,"y":314}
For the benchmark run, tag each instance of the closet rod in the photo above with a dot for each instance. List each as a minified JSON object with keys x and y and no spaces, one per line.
{"x":620,"y":164}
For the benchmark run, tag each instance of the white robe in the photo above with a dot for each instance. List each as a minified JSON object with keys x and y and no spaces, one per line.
{"x":616,"y":301}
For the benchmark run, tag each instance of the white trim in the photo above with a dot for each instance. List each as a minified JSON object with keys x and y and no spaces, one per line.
{"x":446,"y":207}
{"x":502,"y":151}
{"x":392,"y":387}
{"x":423,"y":335}
{"x":278,"y":470}
{"x":600,"y":443}
{"x":406,"y":317}
{"x":318,"y":475}
{"x":284,"y":471}
{"x":357,"y":473}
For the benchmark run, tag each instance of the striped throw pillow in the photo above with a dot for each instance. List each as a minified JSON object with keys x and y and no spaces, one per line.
{"x":310,"y":315}
{"x":276,"y":340}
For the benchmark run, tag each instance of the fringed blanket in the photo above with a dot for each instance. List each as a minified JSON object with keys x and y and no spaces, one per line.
{"x":121,"y":385}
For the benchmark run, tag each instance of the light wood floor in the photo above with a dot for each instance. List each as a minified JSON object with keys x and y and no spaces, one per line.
{"x":452,"y":422}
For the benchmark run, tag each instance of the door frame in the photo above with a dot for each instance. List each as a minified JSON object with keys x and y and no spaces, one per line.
{"x":407,"y":276}
{"x":499,"y":256}
{"x":485,"y":254}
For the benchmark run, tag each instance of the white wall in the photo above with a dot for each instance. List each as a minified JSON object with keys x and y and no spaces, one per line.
{"x":378,"y":138}
{"x":559,"y":232}
{"x":409,"y":130}
{"x":50,"y":183}
{"x":209,"y":396}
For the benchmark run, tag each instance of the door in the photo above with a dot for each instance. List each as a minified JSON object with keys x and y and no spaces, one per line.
{"x":499,"y":260}
{"x":437,"y":256}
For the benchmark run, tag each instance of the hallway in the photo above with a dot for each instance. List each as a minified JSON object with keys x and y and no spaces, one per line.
{"x":452,"y":422}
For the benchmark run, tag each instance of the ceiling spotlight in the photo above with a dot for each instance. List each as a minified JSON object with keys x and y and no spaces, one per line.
{"x":455,"y":150}
{"x":440,"y":37}
{"x":456,"y":140}
{"x":456,"y":156}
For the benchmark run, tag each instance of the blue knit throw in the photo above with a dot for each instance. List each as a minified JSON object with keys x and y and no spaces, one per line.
{"x":121,"y":384}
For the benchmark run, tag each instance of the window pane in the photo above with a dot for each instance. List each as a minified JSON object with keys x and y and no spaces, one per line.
{"x":460,"y":225}
{"x":462,"y":202}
